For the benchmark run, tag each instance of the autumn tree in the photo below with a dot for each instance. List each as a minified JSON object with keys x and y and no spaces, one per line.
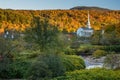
{"x":70,"y":20}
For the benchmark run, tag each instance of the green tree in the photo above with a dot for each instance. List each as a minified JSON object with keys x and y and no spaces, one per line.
{"x":110,"y":37}
{"x":5,"y":57}
{"x":8,"y":47}
{"x":42,"y":33}
{"x":96,"y":37}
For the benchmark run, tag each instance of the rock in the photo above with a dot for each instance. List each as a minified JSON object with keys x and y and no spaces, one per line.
{"x":93,"y":62}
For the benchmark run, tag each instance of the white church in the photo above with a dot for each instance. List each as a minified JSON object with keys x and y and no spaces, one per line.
{"x":85,"y":31}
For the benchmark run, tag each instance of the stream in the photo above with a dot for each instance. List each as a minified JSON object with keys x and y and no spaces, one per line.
{"x":91,"y":62}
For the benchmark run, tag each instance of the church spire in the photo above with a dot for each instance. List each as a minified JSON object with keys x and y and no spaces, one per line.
{"x":88,"y":22}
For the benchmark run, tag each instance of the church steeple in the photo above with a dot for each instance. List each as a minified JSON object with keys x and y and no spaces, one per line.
{"x":88,"y":22}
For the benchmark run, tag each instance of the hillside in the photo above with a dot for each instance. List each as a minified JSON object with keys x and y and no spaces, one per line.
{"x":88,"y":8}
{"x":69,"y":20}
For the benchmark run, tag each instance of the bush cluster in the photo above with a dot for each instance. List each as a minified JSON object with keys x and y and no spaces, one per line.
{"x":112,"y":48}
{"x":53,"y":65}
{"x":69,"y":51}
{"x":72,"y":62}
{"x":99,"y":53}
{"x":46,"y":66}
{"x":91,"y":74}
{"x":14,"y":70}
{"x":85,"y":50}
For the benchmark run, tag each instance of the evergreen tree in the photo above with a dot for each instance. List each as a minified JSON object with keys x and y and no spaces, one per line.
{"x":42,"y":33}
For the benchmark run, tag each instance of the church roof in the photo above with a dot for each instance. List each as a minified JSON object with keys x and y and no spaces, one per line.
{"x":86,"y":28}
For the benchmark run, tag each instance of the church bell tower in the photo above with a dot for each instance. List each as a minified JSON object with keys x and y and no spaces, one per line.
{"x":88,"y":22}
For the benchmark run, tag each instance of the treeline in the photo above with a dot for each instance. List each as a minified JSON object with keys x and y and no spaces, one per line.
{"x":65,"y":20}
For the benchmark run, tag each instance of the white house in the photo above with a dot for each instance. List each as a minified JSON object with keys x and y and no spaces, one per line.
{"x":85,"y":31}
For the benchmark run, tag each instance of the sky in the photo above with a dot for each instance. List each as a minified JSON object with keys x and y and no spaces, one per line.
{"x":57,"y":4}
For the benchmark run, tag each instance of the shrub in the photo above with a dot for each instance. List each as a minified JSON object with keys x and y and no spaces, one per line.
{"x":73,"y":62}
{"x":4,"y":67}
{"x":46,"y":66}
{"x":18,"y":69}
{"x":112,"y":48}
{"x":85,"y":49}
{"x":38,"y":70}
{"x":5,"y":62}
{"x":99,"y":53}
{"x":91,"y":74}
{"x":15,"y":69}
{"x":5,"y":57}
{"x":69,"y":51}
{"x":52,"y":65}
{"x":34,"y":54}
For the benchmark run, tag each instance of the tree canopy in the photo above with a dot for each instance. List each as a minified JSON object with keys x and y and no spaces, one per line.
{"x":69,"y":20}
{"x":42,"y":33}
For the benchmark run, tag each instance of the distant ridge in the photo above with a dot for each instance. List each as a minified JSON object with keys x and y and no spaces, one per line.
{"x":88,"y":8}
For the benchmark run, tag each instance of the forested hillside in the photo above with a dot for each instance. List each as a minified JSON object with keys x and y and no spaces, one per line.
{"x":88,"y":8}
{"x":68,"y":20}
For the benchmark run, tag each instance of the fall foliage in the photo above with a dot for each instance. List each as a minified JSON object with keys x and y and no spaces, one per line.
{"x":68,"y":20}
